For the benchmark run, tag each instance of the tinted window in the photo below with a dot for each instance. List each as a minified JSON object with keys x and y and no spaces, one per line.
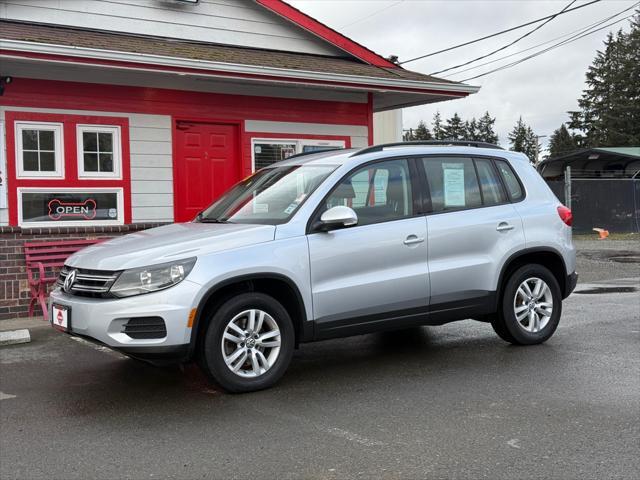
{"x":510,"y":180}
{"x":452,"y":182}
{"x":377,"y":193}
{"x":492,"y":192}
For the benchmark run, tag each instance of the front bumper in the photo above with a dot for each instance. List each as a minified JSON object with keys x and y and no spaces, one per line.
{"x":103,"y":319}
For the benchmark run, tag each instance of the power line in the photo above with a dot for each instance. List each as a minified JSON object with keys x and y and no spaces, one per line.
{"x":504,"y":47}
{"x":497,"y":33}
{"x":579,"y":30}
{"x":372,"y":14}
{"x":560,"y":44}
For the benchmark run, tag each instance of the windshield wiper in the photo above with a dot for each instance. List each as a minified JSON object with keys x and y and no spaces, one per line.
{"x":213,"y":220}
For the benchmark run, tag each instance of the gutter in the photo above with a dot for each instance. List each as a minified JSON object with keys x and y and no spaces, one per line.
{"x":74,"y":54}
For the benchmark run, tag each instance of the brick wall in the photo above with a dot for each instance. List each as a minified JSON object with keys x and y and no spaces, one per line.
{"x":14,"y":289}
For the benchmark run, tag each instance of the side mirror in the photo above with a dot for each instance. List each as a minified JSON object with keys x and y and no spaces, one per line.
{"x":337,"y":217}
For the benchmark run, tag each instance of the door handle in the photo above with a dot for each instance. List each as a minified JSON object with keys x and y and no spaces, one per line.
{"x":413,"y":240}
{"x":504,"y":226}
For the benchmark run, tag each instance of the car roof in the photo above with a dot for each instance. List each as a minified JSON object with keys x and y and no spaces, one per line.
{"x":357,"y":156}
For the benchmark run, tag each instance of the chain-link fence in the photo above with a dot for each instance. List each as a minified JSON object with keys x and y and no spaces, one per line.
{"x":612,"y":204}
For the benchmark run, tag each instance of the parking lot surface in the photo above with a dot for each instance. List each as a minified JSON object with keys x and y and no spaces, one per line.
{"x":434,"y":402}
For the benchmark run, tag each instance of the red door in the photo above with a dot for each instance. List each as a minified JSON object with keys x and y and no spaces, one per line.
{"x":207,"y":163}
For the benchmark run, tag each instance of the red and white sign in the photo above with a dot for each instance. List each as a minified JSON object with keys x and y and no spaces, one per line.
{"x":60,"y":210}
{"x":60,"y":317}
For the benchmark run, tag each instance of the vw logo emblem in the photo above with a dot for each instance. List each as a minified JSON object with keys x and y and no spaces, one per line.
{"x":68,"y":282}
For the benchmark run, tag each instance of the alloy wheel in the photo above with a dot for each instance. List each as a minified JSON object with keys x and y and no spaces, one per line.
{"x":251,"y":343}
{"x":533,"y":305}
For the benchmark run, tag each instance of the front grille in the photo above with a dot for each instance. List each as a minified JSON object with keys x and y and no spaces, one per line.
{"x":145,"y":328}
{"x":89,"y":283}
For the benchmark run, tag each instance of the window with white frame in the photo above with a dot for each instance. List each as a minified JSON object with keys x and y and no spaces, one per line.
{"x":39,"y":150}
{"x":99,"y":152}
{"x":268,"y":151}
{"x":69,"y":206}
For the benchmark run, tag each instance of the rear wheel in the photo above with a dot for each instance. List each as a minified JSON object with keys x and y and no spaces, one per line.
{"x":249,"y":343}
{"x":531,"y":305}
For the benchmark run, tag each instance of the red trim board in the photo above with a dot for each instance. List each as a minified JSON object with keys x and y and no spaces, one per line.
{"x":25,"y":92}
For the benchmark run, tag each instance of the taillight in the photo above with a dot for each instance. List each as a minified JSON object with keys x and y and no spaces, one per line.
{"x":565,"y":215}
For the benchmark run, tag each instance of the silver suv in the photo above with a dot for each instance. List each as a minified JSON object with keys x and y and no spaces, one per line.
{"x":328,"y":245}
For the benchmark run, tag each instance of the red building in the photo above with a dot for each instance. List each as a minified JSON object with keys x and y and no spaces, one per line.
{"x":120,"y":118}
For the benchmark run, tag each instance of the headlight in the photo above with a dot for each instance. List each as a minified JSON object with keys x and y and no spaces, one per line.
{"x":151,"y":279}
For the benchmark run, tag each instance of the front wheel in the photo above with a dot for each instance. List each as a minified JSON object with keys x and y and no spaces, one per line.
{"x":531,"y":305}
{"x":249,"y":343}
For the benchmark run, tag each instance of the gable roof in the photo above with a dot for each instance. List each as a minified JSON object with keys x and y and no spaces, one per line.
{"x":326,"y":33}
{"x":198,"y":51}
{"x":388,"y":85}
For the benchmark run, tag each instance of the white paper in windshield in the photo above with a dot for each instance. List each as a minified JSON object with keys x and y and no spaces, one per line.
{"x":453,"y":179}
{"x":260,"y":207}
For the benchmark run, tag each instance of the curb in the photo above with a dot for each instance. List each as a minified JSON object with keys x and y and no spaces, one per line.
{"x":13,"y":337}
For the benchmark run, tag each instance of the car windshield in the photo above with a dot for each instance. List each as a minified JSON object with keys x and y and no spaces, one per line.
{"x":270,"y":196}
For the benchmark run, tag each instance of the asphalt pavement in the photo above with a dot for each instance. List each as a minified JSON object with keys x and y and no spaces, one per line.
{"x":434,"y":402}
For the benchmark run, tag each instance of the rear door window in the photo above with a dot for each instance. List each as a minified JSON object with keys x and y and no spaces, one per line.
{"x":452,"y":182}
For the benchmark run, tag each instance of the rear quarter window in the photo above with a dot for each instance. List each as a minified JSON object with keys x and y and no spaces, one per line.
{"x":514,"y":188}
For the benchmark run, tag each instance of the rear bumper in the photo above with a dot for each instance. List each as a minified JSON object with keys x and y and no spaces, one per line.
{"x":570,"y":284}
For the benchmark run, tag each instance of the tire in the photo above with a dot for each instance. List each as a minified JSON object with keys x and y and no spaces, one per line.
{"x":255,"y":371}
{"x":527,"y":316}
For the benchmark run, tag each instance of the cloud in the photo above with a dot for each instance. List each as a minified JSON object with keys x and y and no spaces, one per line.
{"x":542,"y":90}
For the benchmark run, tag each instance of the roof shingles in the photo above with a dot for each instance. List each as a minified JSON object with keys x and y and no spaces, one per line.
{"x":101,"y":40}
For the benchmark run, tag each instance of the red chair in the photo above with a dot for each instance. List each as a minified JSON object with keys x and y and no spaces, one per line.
{"x":43,"y":260}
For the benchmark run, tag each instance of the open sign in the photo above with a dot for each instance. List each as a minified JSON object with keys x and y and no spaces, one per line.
{"x":59,"y":209}
{"x":70,"y":206}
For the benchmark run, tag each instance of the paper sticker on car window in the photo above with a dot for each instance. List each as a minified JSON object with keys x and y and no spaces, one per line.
{"x":260,"y":208}
{"x":290,"y":208}
{"x":453,"y":180}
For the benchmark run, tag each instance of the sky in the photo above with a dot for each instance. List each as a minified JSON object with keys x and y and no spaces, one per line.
{"x":541,"y":90}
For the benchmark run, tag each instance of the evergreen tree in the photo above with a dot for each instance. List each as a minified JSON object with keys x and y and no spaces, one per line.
{"x":561,"y":141}
{"x":523,"y":139}
{"x":422,"y":132}
{"x":454,"y":130}
{"x":438,"y":130}
{"x":471,"y":131}
{"x":485,"y":129}
{"x":609,"y":109}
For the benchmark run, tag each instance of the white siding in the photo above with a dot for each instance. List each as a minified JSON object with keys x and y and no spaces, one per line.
{"x":229,"y":22}
{"x":151,"y":163}
{"x":387,"y":126}
{"x":359,"y":134}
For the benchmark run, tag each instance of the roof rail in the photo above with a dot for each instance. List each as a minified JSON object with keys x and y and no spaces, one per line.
{"x":418,"y":143}
{"x":304,"y":154}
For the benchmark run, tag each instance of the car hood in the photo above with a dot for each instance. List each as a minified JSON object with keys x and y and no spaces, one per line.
{"x":171,"y":242}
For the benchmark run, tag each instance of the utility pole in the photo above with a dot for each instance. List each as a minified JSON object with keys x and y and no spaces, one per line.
{"x":538,"y":137}
{"x":567,"y":187}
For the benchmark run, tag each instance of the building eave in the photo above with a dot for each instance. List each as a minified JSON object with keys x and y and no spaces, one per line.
{"x":143,"y":61}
